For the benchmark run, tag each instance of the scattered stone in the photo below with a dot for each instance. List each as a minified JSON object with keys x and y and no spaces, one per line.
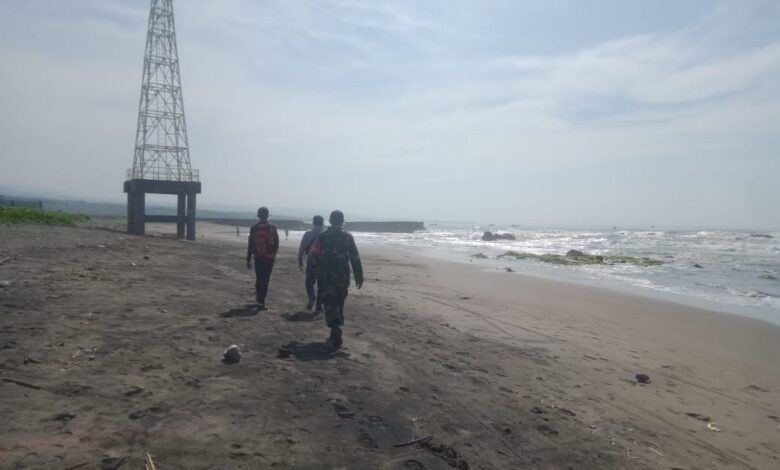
{"x":232,"y":354}
{"x":509,"y":270}
{"x":6,"y":283}
{"x":343,"y":411}
{"x":134,"y":391}
{"x":642,"y":378}
{"x":146,"y":257}
{"x":574,"y":254}
{"x":697,"y":265}
{"x":479,"y":256}
{"x":283,"y":352}
{"x":537,"y":410}
{"x":546,"y":430}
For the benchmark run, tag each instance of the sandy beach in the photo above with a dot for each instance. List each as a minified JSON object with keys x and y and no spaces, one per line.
{"x":111,"y":347}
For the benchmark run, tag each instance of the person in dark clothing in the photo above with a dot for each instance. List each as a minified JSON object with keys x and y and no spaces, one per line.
{"x":263,"y":245}
{"x":308,"y":249}
{"x":337,"y":253}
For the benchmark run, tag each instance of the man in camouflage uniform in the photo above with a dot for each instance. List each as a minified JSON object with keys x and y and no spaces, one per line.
{"x":337,"y":253}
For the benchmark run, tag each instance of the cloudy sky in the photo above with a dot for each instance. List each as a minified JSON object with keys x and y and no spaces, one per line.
{"x":565,"y":113}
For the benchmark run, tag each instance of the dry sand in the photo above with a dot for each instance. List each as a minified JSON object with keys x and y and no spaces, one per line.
{"x":110,"y":347}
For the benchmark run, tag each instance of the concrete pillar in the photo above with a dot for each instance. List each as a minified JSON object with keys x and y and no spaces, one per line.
{"x":130,"y":212}
{"x":191,"y":216}
{"x":139,"y":213}
{"x":180,"y":214}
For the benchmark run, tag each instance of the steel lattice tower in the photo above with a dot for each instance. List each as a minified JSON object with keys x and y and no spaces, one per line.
{"x":161,"y":164}
{"x":161,"y":147}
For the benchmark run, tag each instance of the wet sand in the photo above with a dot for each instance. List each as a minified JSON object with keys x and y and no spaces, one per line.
{"x":110,"y":347}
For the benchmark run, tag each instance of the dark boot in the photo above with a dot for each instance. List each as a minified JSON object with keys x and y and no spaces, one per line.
{"x":335,"y":337}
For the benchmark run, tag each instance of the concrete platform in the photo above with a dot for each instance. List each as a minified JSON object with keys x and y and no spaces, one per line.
{"x":186,"y":192}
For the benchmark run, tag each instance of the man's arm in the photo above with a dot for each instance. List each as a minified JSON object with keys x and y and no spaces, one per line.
{"x":304,"y":246}
{"x":354,"y":259}
{"x":275,"y":243}
{"x":250,"y":248}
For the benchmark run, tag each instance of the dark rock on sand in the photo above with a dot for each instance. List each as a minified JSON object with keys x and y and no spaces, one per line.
{"x":574,"y":254}
{"x":697,"y":265}
{"x":232,"y":355}
{"x":643,"y":378}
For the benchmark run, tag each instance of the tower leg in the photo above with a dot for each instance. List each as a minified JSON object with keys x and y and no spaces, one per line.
{"x":191,"y":216}
{"x":139,"y":213}
{"x":130,"y":211}
{"x":180,"y":214}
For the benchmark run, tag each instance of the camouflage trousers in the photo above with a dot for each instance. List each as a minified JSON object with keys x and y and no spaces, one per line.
{"x":333,"y":297}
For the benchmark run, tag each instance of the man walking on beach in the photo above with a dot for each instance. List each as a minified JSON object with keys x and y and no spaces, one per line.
{"x":263,"y":244}
{"x":311,"y":252}
{"x":337,"y":253}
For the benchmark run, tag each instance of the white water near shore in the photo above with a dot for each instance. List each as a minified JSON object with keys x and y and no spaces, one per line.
{"x":739,"y":270}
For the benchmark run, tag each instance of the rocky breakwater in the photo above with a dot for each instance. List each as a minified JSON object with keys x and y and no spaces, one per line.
{"x":578,"y":258}
{"x":491,"y":237}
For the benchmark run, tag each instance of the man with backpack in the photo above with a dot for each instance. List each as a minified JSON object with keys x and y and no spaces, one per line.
{"x":310,"y":248}
{"x":337,"y":252}
{"x":263,"y":244}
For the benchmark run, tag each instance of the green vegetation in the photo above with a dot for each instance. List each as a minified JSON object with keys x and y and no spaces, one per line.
{"x":583,"y":259}
{"x":24,"y":215}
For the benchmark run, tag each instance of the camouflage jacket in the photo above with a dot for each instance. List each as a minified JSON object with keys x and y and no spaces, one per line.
{"x":337,"y":253}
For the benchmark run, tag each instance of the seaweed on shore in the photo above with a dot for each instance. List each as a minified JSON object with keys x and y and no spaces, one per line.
{"x":583,"y":259}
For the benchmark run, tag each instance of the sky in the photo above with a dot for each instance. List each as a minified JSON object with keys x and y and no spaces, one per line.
{"x":557,"y":113}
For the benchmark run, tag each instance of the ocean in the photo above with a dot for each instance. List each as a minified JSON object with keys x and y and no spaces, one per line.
{"x":730,"y":271}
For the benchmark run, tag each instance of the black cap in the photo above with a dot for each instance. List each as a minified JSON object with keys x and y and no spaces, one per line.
{"x":262,"y":212}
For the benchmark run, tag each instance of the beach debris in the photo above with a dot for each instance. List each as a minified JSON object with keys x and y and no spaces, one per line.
{"x":30,"y":360}
{"x":78,"y":465}
{"x":6,"y":283}
{"x":101,"y":246}
{"x":232,"y":354}
{"x":509,"y":270}
{"x":642,"y":378}
{"x":414,"y":441}
{"x":698,"y":416}
{"x":4,"y":259}
{"x":146,"y":256}
{"x":133,"y":264}
{"x":284,"y":351}
{"x":448,"y":454}
{"x":657,"y":452}
{"x":712,"y":427}
{"x":149,"y":463}
{"x":697,"y":265}
{"x":21,"y":384}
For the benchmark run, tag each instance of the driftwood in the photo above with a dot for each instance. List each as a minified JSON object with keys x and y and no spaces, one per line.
{"x":79,"y":465}
{"x":4,"y":259}
{"x":414,"y":441}
{"x":149,"y":464}
{"x":23,"y":384}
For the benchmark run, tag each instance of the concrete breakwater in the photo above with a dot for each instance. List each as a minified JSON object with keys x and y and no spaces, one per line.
{"x":375,"y":227}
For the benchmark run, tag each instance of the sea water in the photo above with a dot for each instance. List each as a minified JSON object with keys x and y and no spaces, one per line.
{"x":731,"y":271}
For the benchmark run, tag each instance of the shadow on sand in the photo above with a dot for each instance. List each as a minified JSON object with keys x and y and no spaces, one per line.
{"x":248,"y":310}
{"x":301,"y":316}
{"x":315,"y":351}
